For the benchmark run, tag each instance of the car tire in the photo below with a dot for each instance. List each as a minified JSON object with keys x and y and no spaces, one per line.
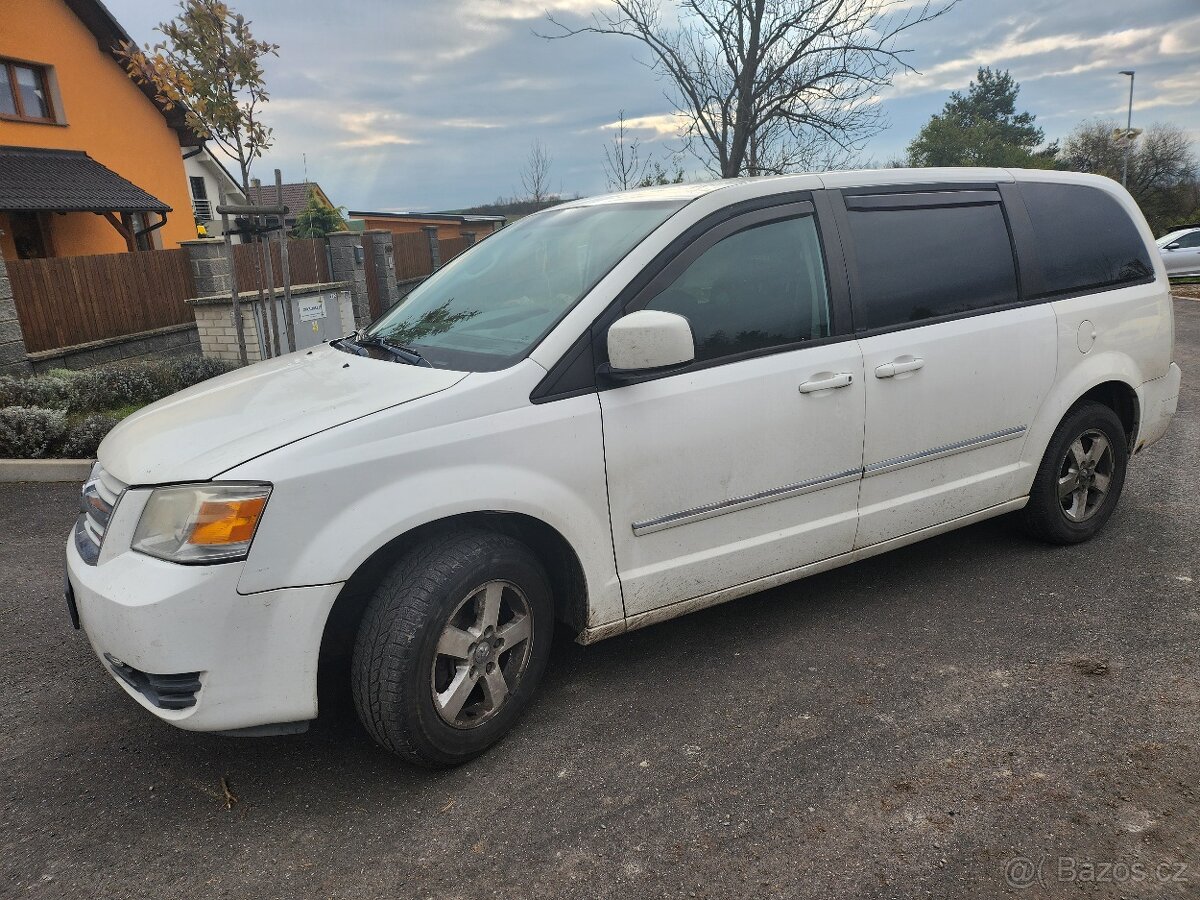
{"x":452,"y":646}
{"x":1080,"y":478}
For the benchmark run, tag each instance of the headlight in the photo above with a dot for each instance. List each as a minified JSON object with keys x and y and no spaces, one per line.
{"x":201,"y":523}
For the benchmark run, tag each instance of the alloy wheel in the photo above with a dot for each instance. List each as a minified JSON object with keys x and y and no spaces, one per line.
{"x":1085,"y":475}
{"x":481,"y":654}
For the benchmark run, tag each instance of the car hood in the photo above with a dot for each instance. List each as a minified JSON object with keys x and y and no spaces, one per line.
{"x":204,"y":430}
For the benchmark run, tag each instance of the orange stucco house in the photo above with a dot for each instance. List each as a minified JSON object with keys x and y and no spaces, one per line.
{"x":448,"y":225}
{"x":89,"y":162}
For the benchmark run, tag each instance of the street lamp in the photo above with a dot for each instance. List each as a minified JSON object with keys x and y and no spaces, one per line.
{"x":1128,"y":130}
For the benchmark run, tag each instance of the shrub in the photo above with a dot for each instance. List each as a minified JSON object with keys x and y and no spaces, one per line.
{"x":31,"y":433}
{"x":44,"y":391}
{"x":111,"y":386}
{"x":84,"y":436}
{"x":189,"y":370}
{"x":136,"y":383}
{"x":34,"y":408}
{"x":107,"y":387}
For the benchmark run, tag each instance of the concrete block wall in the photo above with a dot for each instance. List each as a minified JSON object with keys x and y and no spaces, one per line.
{"x":175,"y":340}
{"x":385,"y":265}
{"x":435,"y":250}
{"x":346,"y":264}
{"x":13,"y":360}
{"x":210,"y":266}
{"x":218,"y":336}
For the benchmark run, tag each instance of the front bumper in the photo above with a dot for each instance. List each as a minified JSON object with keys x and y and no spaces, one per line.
{"x":255,"y":655}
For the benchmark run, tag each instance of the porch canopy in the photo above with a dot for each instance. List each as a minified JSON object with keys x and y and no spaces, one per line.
{"x":37,"y":180}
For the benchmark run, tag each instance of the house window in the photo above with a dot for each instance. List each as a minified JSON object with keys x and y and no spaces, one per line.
{"x":200,"y":205}
{"x":25,"y":92}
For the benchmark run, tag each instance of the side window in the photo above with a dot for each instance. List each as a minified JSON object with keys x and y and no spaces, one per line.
{"x":929,"y":261}
{"x":1084,"y":238}
{"x":1189,"y":241}
{"x":759,"y":288}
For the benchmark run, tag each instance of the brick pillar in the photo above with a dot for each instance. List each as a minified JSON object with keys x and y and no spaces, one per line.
{"x":470,"y":238}
{"x":385,"y":266}
{"x":13,"y":360}
{"x":346,"y":264}
{"x":435,"y":252}
{"x":210,"y":266}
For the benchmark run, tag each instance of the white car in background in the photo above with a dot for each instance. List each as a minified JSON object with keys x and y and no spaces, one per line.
{"x":614,"y":412}
{"x":1180,"y":251}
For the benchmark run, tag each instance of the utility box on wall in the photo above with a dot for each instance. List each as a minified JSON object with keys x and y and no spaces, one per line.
{"x":316,"y":318}
{"x":320,"y":313}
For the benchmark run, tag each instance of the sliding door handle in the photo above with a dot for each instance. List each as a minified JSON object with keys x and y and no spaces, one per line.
{"x":827,"y":383}
{"x":899,"y":367}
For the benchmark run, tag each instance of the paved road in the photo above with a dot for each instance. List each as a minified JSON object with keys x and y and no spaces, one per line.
{"x":900,"y":728}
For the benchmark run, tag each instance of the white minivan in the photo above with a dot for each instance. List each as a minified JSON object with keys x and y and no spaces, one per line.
{"x":614,"y":412}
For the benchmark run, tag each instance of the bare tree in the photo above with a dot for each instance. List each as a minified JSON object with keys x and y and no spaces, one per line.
{"x":766,"y":84}
{"x":535,"y":176}
{"x":623,"y":166}
{"x":1164,"y":171}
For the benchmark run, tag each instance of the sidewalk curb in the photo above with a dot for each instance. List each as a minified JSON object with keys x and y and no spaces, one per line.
{"x":76,"y":470}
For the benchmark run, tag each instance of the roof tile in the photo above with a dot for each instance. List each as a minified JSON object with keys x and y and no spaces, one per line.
{"x":33,"y":179}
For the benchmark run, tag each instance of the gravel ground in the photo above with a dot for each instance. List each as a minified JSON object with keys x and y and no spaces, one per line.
{"x":904,"y":727}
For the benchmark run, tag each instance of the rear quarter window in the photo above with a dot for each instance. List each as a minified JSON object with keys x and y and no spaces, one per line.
{"x":1084,"y":239}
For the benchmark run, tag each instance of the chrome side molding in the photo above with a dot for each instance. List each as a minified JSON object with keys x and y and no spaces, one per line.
{"x":720,"y":508}
{"x":727,"y":506}
{"x":899,"y":462}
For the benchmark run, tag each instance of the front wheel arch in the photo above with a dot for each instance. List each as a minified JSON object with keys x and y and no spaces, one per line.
{"x":568,"y":583}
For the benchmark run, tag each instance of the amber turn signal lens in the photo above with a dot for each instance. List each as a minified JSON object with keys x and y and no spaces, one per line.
{"x":227,"y":521}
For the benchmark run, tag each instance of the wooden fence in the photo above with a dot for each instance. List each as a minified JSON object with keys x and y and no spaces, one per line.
{"x":411,"y":255}
{"x":307,"y":263}
{"x":66,"y":301}
{"x":451,"y":247}
{"x":77,"y":299}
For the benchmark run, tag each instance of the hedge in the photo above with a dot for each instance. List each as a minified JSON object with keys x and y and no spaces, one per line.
{"x":67,"y":413}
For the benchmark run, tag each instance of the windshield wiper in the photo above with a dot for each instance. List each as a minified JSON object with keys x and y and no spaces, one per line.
{"x":348,"y":344}
{"x":407,"y":354}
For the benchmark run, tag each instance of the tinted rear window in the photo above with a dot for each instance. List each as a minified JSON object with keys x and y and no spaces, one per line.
{"x":916,"y":264}
{"x":1084,"y":239}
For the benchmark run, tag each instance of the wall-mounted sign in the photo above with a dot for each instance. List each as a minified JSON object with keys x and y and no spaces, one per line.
{"x":312,"y":308}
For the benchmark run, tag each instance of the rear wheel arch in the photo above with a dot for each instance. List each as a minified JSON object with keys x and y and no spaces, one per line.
{"x":567,"y":580}
{"x":1122,"y":399}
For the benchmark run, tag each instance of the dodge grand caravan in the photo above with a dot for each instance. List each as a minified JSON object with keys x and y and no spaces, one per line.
{"x":614,"y":412}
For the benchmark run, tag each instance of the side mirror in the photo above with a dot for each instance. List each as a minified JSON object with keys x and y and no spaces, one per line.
{"x":1173,"y":245}
{"x":649,"y":340}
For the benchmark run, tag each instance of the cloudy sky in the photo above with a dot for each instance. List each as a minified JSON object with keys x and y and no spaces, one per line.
{"x":425,"y":105}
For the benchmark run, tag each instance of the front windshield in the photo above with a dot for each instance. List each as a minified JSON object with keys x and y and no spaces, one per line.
{"x":488,"y":308}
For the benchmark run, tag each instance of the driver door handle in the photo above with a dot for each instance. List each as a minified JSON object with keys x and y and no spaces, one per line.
{"x":898,"y":367}
{"x":827,"y":383}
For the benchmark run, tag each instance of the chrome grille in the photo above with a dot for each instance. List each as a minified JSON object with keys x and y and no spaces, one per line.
{"x":100,"y":494}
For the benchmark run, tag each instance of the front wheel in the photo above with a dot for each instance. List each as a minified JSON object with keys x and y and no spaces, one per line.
{"x":452,"y":646}
{"x":1080,"y":478}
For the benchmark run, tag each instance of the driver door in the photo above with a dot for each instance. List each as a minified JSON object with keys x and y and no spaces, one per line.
{"x":746,"y":463}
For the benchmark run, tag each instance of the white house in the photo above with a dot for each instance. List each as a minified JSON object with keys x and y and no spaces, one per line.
{"x":207,"y":177}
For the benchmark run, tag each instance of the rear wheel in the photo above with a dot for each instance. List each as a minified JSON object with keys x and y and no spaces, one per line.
{"x":452,"y":646}
{"x":1080,"y":478}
